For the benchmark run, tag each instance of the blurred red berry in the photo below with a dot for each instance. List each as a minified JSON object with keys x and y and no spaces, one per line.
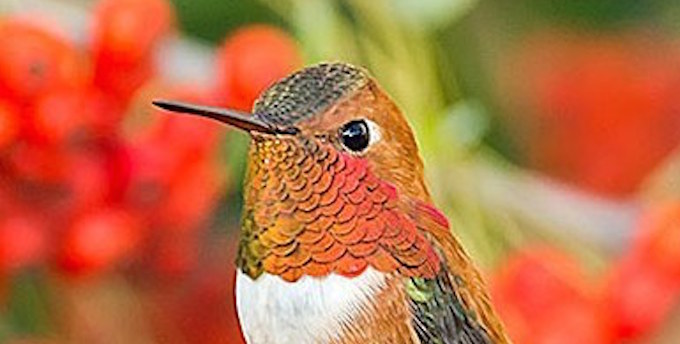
{"x":538,"y":277}
{"x":152,"y":167}
{"x":88,"y":182}
{"x":118,"y":164}
{"x":98,"y":176}
{"x":9,"y":124}
{"x":104,"y":112}
{"x":22,"y":242}
{"x":208,"y":297}
{"x":58,"y":117}
{"x":121,"y":82}
{"x":124,"y":37}
{"x":193,"y":194}
{"x":34,"y":61}
{"x":575,"y":322}
{"x":7,"y":201}
{"x":38,"y":164}
{"x":74,"y":116}
{"x":600,"y":112}
{"x":192,"y":136}
{"x":637,"y":299}
{"x":175,"y":254}
{"x":537,"y":287}
{"x":127,"y":31}
{"x":658,"y":241}
{"x":98,"y":240}
{"x":202,"y":308}
{"x":250,"y":60}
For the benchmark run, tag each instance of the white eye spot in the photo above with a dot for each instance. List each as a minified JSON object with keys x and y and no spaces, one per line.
{"x":374,"y":132}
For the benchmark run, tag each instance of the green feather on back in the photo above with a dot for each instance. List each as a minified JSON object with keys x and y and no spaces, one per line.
{"x":439,"y":316}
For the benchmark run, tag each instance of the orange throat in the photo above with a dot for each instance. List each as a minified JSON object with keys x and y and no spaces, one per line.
{"x":310,"y":210}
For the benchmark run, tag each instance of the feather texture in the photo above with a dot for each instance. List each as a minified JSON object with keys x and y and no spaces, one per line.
{"x":316,"y":212}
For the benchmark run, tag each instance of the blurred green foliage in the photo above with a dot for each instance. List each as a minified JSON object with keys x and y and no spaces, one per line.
{"x":27,"y":310}
{"x":211,"y":20}
{"x":435,"y":59}
{"x":601,"y":14}
{"x":460,"y":31}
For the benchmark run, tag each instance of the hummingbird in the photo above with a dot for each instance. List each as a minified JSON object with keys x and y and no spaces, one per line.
{"x":340,"y":241}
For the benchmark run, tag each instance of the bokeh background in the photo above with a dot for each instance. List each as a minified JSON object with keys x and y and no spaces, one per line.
{"x":550,"y":131}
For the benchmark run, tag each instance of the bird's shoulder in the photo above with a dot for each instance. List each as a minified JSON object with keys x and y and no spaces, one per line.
{"x":453,"y":306}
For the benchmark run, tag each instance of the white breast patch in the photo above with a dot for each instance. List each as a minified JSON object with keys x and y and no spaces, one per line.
{"x":311,"y":310}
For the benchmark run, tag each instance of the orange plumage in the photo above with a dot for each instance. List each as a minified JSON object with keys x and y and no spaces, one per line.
{"x":335,"y":202}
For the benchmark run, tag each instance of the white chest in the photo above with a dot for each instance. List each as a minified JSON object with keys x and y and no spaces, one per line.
{"x":311,"y":310}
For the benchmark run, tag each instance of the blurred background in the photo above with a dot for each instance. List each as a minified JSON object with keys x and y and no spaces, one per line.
{"x":550,"y":131}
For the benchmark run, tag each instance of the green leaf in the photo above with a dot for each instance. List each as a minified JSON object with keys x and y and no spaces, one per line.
{"x":28,"y":306}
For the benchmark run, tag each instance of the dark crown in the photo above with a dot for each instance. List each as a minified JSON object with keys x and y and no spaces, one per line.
{"x":307,"y":92}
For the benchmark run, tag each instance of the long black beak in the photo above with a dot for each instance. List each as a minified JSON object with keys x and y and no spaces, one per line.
{"x":233,"y":118}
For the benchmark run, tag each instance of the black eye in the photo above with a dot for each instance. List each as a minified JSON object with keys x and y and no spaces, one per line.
{"x":354,"y":135}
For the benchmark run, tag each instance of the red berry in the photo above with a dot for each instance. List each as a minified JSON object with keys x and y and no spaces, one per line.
{"x":125,"y":35}
{"x":536,"y":279}
{"x":658,"y":240}
{"x":577,"y":322}
{"x":74,"y":116}
{"x":22,"y":242}
{"x":538,"y":286}
{"x":121,"y":82}
{"x":98,"y":240}
{"x":100,"y":172}
{"x":127,"y":31}
{"x":104,"y":112}
{"x":188,"y":136}
{"x":637,"y":298}
{"x":89,"y":182}
{"x":33,"y":61}
{"x":577,"y":99}
{"x":251,"y":59}
{"x":152,"y":167}
{"x":58,"y":117}
{"x":9,"y":124}
{"x":175,"y":255}
{"x":37,"y":163}
{"x":192,"y":195}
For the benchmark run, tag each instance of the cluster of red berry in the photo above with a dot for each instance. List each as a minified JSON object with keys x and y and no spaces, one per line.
{"x":600,"y":112}
{"x":90,"y":174}
{"x":546,"y":296}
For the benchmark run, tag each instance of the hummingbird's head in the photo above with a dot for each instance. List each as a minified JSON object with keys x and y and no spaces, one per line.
{"x":330,"y":153}
{"x":329,"y":106}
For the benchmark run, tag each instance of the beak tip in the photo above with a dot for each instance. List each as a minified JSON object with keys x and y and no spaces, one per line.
{"x":162,"y":104}
{"x":234,"y":118}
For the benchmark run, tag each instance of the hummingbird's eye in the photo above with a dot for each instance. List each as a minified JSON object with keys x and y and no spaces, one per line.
{"x":355,"y":135}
